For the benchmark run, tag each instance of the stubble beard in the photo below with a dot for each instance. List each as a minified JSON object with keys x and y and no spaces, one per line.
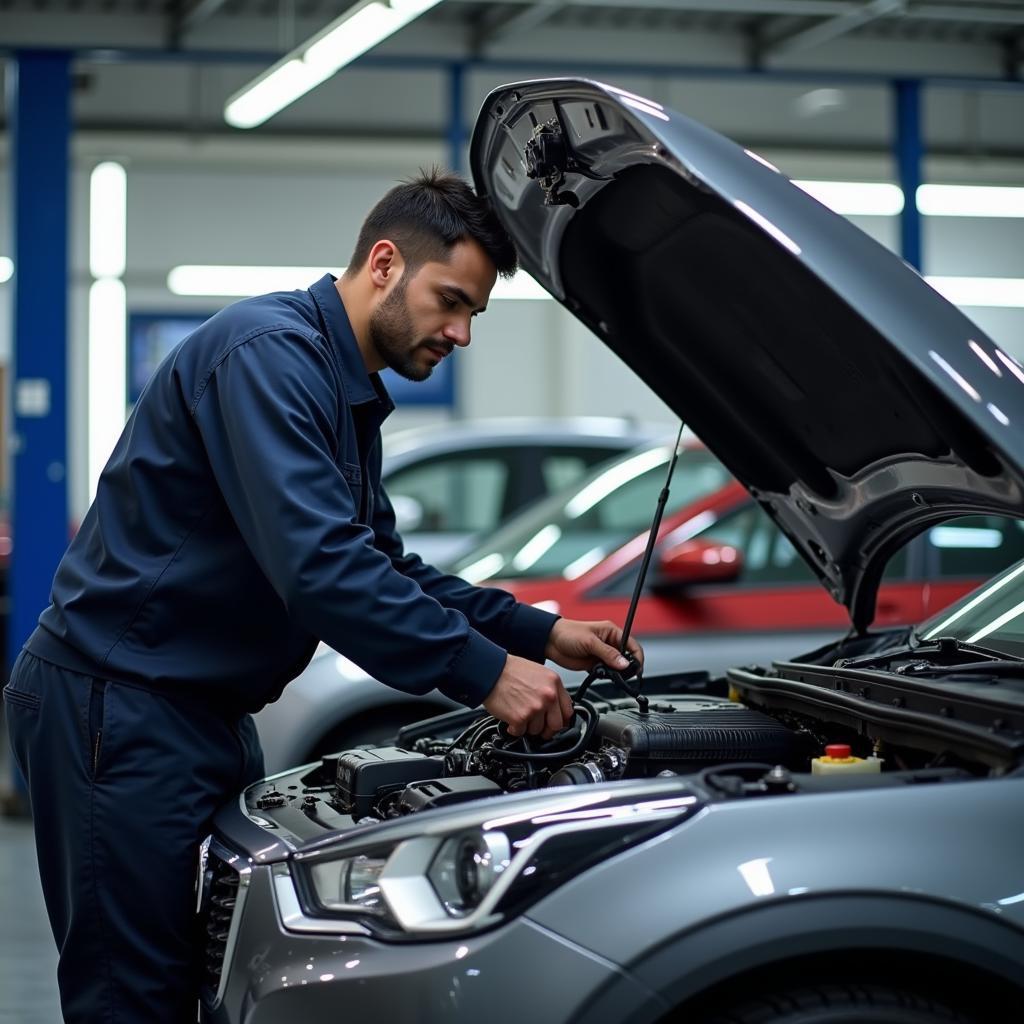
{"x":392,"y":335}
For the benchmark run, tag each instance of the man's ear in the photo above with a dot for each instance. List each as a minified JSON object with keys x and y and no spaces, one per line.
{"x":384,"y":264}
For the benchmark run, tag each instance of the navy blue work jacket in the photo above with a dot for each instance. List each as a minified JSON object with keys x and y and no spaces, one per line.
{"x":241,"y":519}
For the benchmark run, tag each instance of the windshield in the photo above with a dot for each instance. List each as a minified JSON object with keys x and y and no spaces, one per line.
{"x":992,"y":615}
{"x":571,"y":532}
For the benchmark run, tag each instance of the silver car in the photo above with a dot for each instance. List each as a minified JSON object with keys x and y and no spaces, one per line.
{"x":449,"y":483}
{"x":831,"y":839}
{"x":452,"y":483}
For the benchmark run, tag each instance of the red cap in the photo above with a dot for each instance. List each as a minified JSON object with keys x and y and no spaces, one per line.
{"x":838,"y":750}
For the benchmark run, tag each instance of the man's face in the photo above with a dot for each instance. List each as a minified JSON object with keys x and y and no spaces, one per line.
{"x":426,"y":314}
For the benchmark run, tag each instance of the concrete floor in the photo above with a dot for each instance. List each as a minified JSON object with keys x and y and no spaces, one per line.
{"x":28,"y":957}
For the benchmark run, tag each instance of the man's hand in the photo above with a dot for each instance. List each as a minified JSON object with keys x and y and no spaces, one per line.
{"x":529,"y":698}
{"x":575,"y":644}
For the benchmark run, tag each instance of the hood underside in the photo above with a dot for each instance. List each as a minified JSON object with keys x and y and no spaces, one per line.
{"x":855,"y":403}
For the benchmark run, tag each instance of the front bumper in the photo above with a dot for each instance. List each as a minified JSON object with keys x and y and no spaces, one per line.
{"x":522,"y":971}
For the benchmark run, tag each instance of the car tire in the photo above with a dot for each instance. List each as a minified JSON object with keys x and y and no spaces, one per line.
{"x":839,"y":1002}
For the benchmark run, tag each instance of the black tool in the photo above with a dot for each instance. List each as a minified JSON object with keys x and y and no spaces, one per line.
{"x":622,"y":677}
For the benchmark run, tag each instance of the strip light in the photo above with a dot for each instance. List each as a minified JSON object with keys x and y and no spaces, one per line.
{"x":998,"y":292}
{"x":238,"y":282}
{"x":108,"y":218}
{"x":856,"y":198}
{"x":883,"y":199}
{"x":107,"y":372}
{"x":970,"y":201}
{"x":190,"y":279}
{"x":349,"y":36}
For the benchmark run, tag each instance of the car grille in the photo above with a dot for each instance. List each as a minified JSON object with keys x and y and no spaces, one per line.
{"x":221,"y":887}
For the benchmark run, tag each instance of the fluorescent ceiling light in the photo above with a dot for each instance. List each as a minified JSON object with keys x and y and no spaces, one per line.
{"x":883,"y":199}
{"x":1002,"y":292}
{"x":107,"y":389}
{"x":970,"y":201}
{"x":240,"y":281}
{"x":6,"y":268}
{"x":349,"y":36}
{"x":194,"y":279}
{"x":856,"y":198}
{"x":107,"y":220}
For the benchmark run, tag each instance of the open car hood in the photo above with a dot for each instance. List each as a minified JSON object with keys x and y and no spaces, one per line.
{"x":856,"y":404}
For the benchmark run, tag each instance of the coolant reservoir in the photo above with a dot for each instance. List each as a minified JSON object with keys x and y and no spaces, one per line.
{"x":839,"y":759}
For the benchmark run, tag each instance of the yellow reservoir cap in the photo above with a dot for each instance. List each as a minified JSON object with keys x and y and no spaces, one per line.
{"x":838,"y":758}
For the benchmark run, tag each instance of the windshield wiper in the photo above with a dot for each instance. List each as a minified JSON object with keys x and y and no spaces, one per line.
{"x":952,"y":645}
{"x":923,"y":650}
{"x":993,"y":667}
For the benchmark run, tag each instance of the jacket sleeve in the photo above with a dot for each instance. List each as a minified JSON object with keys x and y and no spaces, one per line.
{"x":268,"y":415}
{"x":519,"y":628}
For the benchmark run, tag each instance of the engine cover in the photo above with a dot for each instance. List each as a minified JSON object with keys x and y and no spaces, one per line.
{"x":698,"y":732}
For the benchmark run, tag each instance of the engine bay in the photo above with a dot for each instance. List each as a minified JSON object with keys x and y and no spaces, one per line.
{"x":756,"y":733}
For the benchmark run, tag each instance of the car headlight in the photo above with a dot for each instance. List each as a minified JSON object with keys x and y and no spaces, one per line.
{"x":469,"y":869}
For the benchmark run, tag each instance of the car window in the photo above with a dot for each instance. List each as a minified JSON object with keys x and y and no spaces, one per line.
{"x":458,"y":493}
{"x":572,"y":531}
{"x":768,"y":554}
{"x":977,"y":546}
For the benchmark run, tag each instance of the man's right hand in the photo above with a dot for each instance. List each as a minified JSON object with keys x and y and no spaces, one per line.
{"x":529,"y":698}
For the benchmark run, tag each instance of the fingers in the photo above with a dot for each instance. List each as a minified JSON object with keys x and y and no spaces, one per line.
{"x":636,"y":650}
{"x":566,"y":704}
{"x":537,"y":723}
{"x":608,"y":654}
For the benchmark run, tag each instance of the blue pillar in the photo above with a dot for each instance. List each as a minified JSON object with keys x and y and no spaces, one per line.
{"x":909,"y":152}
{"x":456,"y":116}
{"x":39,"y":91}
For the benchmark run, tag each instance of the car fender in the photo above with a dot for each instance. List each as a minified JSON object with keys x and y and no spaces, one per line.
{"x":766,"y":935}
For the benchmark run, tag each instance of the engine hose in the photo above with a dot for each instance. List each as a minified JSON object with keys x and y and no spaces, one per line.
{"x":586,"y":711}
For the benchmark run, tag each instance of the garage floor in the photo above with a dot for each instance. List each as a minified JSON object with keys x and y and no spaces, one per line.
{"x":28,"y":958}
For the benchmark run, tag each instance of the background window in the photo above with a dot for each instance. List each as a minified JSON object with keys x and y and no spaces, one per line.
{"x":456,"y":494}
{"x":975,"y":545}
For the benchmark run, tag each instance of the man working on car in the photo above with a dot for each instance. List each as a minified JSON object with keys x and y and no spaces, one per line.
{"x":239,"y":520}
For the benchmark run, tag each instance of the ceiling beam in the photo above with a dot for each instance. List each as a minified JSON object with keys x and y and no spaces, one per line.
{"x":199,"y":14}
{"x":964,"y":12}
{"x":833,"y":28}
{"x":519,"y":22}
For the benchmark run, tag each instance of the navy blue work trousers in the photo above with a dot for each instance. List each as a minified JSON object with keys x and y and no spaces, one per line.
{"x":123,"y":784}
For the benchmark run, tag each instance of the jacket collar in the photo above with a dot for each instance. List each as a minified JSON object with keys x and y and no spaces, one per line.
{"x":361,"y":386}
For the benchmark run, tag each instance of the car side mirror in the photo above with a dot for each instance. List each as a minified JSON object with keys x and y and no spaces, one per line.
{"x":408,"y":513}
{"x":698,"y":561}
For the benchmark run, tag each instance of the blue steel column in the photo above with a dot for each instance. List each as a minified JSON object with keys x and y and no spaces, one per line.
{"x":456,"y":116}
{"x":909,"y":151}
{"x":39,"y":88}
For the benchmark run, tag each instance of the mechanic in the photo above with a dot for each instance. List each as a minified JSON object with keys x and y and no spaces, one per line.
{"x":240,"y":520}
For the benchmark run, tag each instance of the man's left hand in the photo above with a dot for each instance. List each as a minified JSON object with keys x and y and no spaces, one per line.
{"x":575,"y":644}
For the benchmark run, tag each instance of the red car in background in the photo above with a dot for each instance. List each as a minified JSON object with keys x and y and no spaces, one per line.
{"x":723,"y":578}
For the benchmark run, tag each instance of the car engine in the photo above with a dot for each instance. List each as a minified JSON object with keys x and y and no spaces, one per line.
{"x":753,"y":734}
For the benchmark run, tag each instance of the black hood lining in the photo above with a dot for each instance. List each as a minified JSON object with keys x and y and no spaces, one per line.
{"x":726,"y":325}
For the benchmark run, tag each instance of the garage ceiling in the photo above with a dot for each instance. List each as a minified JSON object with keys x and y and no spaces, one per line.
{"x":169,"y":65}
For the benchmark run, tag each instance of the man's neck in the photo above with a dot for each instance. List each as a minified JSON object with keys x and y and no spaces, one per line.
{"x":357,"y":307}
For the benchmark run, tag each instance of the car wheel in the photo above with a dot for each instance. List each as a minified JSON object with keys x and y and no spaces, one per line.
{"x":839,"y":1002}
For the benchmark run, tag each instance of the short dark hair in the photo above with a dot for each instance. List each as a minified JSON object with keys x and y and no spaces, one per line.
{"x":427,"y":215}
